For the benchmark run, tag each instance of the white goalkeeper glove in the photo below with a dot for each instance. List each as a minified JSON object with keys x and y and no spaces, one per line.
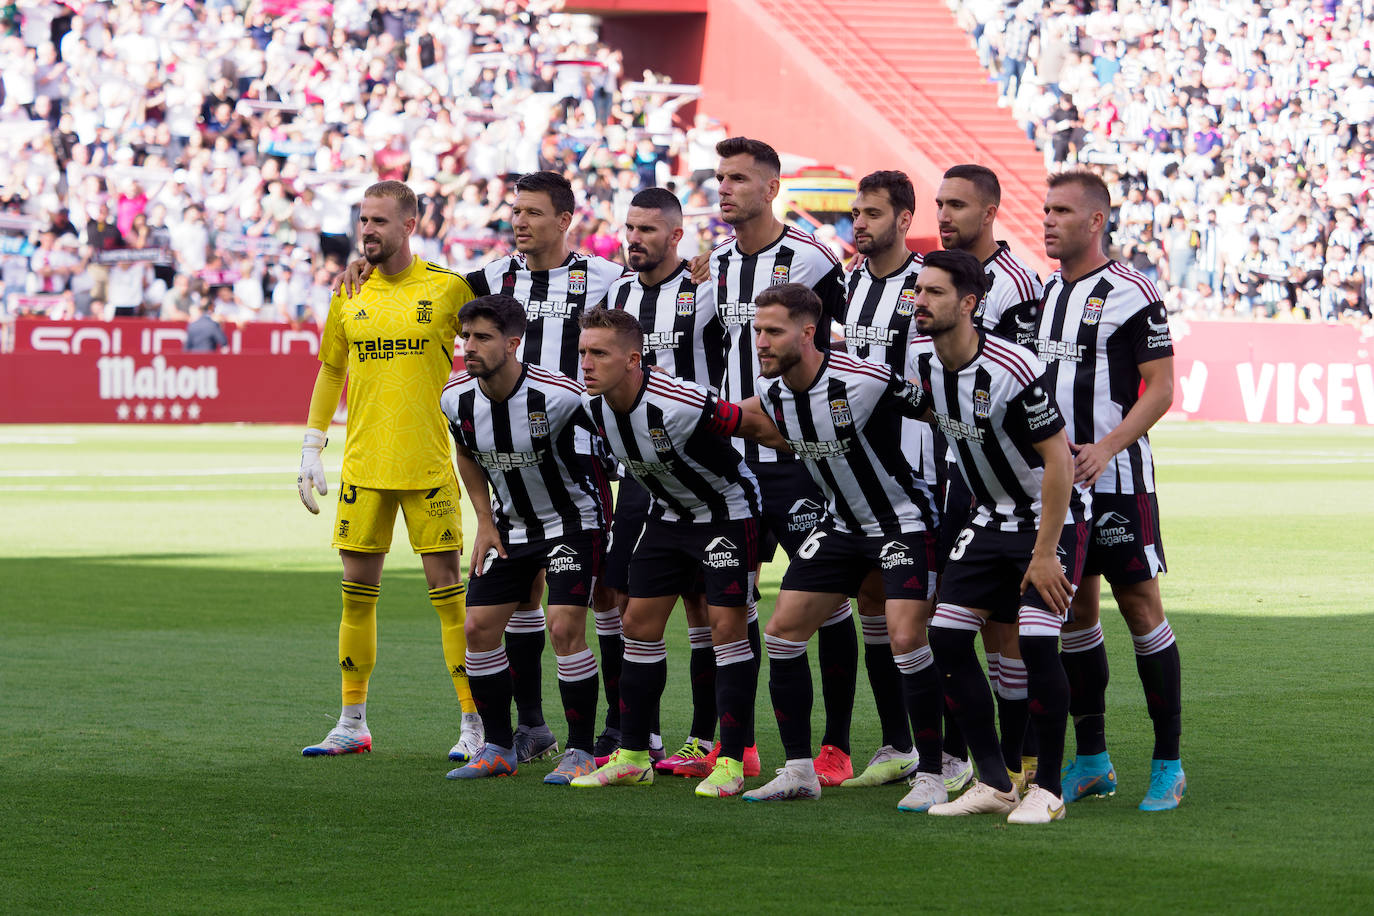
{"x":312,"y":470}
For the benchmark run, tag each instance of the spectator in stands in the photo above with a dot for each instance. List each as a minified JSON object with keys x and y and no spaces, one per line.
{"x":203,"y":334}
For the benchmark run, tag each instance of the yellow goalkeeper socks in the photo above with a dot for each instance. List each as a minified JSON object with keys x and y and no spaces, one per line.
{"x":450,"y":602}
{"x":358,"y":639}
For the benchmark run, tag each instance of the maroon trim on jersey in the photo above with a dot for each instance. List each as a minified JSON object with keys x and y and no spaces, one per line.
{"x":847,"y":363}
{"x":682,"y":395}
{"x":1009,"y":359}
{"x":1141,"y":282}
{"x":1025,"y":287}
{"x":555,"y":378}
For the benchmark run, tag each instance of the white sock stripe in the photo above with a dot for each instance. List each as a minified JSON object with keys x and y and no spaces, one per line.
{"x":482,"y":664}
{"x":783,"y":648}
{"x":645,"y":653}
{"x":753,"y":612}
{"x":576,"y":667}
{"x":699,"y":637}
{"x":875,"y":631}
{"x":1083,"y":640}
{"x":953,"y":617}
{"x":840,"y":614}
{"x":1157,"y":640}
{"x":607,"y":622}
{"x":1032,"y":621}
{"x":526,"y":621}
{"x":732,"y":653}
{"x":915,"y":660}
{"x":1011,"y":679}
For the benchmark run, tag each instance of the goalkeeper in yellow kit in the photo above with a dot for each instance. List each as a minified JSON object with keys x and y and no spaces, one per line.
{"x":393,"y":341}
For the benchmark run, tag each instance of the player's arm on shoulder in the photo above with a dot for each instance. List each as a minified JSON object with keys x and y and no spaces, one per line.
{"x":349,"y":283}
{"x":908,"y":398}
{"x":756,"y":425}
{"x":700,"y":267}
{"x":1044,"y":571}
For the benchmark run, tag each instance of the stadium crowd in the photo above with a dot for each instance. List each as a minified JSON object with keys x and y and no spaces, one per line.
{"x":162,"y":156}
{"x":1235,"y":136}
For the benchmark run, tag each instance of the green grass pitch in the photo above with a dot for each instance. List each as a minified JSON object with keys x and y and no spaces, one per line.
{"x":167,"y":639}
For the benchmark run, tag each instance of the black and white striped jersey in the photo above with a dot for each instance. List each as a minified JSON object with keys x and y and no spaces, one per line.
{"x":992,"y":411}
{"x":738,"y":278}
{"x":878,"y":326}
{"x":1012,"y":305}
{"x":554,"y":301}
{"x":847,"y":429}
{"x":542,"y":488}
{"x":681,"y":333}
{"x":674,"y":441}
{"x":1092,"y":335}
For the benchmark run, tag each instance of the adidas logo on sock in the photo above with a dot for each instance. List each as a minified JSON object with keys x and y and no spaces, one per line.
{"x":346,"y":663}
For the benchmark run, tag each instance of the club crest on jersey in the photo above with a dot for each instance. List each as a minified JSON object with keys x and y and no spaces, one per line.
{"x":686,"y":303}
{"x":1092,"y":312}
{"x":840,"y":414}
{"x":906,"y":303}
{"x":780,"y":273}
{"x":659,"y":437}
{"x":539,"y":424}
{"x":982,"y":404}
{"x":424,"y":311}
{"x":577,"y":282}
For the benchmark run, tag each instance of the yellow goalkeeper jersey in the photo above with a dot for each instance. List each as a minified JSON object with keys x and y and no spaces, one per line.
{"x":395,"y":338}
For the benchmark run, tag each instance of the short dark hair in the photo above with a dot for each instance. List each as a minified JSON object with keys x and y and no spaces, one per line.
{"x":505,"y":312}
{"x":761,"y":152}
{"x":551,"y":183}
{"x":1091,"y":183}
{"x":897,"y":186}
{"x":965,"y":272}
{"x":983,"y":179}
{"x":659,"y":199}
{"x":625,"y":325}
{"x":801,"y":301}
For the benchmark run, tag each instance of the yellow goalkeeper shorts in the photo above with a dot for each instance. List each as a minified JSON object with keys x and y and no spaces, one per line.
{"x":366,"y":518}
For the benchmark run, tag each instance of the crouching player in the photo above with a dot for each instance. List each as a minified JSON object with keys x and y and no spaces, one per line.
{"x":513,"y":423}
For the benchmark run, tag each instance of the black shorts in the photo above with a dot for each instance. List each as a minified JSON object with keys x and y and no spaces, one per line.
{"x":570,"y":566}
{"x":1125,"y":546}
{"x":833,"y":561}
{"x":631,"y":511}
{"x":956,"y":509}
{"x":985,"y":569}
{"x":680,"y":558}
{"x":792,"y":505}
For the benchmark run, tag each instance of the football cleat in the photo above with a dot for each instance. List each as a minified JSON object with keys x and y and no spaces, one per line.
{"x":726,"y":779}
{"x":789,"y":785}
{"x":606,"y":744}
{"x":833,"y":766}
{"x":489,"y":761}
{"x":1089,"y":775}
{"x":887,"y":766}
{"x":955,"y":771}
{"x":692,"y":749}
{"x":702,"y":767}
{"x":571,"y":764}
{"x":625,"y":768}
{"x":926,"y":789}
{"x":980,"y":798}
{"x":1167,"y":786}
{"x":534,"y":742}
{"x":471,"y":739}
{"x":1040,"y":806}
{"x":341,"y":740}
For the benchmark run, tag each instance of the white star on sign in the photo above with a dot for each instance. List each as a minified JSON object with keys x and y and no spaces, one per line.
{"x":141,"y":412}
{"x":176,"y":411}
{"x":158,"y":411}
{"x":122,"y":411}
{"x":193,"y":412}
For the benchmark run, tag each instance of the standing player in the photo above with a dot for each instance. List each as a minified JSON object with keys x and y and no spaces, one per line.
{"x":513,"y":423}
{"x":1104,"y":333}
{"x":966,"y":207}
{"x":843,"y":417}
{"x":1021,"y":554}
{"x":394,"y":344}
{"x":682,"y":338}
{"x":671,"y":434}
{"x":763,"y":253}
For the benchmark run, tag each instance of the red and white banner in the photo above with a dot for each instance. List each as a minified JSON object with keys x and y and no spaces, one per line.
{"x":146,"y":338}
{"x":1274,"y":373}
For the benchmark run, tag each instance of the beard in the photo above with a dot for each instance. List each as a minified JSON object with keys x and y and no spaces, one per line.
{"x":381,"y":255}
{"x":877,"y":243}
{"x":642,"y":259}
{"x":781,"y":363}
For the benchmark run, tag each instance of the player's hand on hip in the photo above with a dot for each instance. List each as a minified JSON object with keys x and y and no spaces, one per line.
{"x":700,"y":268}
{"x":311,"y":477}
{"x":1047,"y":576}
{"x":1089,"y":461}
{"x":486,"y":547}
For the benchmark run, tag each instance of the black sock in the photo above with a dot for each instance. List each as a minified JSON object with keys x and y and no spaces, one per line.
{"x":525,"y":651}
{"x":1048,"y":687}
{"x":755,"y":643}
{"x":492,"y":695}
{"x":735,"y":685}
{"x":887,"y":684}
{"x":1030,"y":745}
{"x":925,"y":703}
{"x":954,"y":744}
{"x":1011,"y":721}
{"x":789,"y":685}
{"x":1162,"y":677}
{"x":579,"y":705}
{"x":1088,"y":675}
{"x":838,"y":652}
{"x":703,"y":671}
{"x":641,"y":685}
{"x":612,"y":652}
{"x":967,"y":695}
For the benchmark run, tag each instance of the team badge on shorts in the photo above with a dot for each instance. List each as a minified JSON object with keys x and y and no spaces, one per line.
{"x":686,"y":303}
{"x":1092,"y":312}
{"x":563,"y":559}
{"x":722,"y":553}
{"x":780,"y":274}
{"x":539,"y":424}
{"x":840,"y":414}
{"x":577,"y":282}
{"x":982,"y":404}
{"x":906,"y":303}
{"x":424,"y":311}
{"x":659,"y":437}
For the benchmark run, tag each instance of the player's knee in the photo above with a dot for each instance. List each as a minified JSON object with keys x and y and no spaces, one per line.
{"x":568,"y":629}
{"x":1141,"y":606}
{"x":483,"y":628}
